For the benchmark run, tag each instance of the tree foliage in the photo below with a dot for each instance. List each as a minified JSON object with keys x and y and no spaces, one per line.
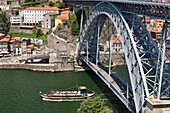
{"x":4,"y":22}
{"x":39,"y":33}
{"x":58,"y":4}
{"x":17,"y":12}
{"x":95,"y":105}
{"x":74,"y":24}
{"x":50,"y":3}
{"x":61,"y":5}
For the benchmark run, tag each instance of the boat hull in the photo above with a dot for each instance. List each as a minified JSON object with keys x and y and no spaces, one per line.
{"x":62,"y":100}
{"x":79,"y":95}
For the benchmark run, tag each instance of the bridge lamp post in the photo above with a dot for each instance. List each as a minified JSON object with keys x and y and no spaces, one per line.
{"x":57,"y":50}
{"x":68,"y":50}
{"x":87,"y":52}
{"x":98,"y":41}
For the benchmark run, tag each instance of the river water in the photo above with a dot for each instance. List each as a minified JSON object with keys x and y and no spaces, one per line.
{"x":19,"y":91}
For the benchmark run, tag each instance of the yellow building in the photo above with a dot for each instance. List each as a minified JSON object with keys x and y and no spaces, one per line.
{"x":59,"y":19}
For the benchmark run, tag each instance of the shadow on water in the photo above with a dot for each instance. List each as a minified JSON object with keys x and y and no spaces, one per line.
{"x":113,"y":99}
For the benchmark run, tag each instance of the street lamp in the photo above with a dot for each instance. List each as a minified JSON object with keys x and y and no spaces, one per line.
{"x":57,"y":50}
{"x":68,"y":50}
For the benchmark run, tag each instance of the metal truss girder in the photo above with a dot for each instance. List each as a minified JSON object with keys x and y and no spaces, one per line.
{"x":152,"y":9}
{"x":162,"y":80}
{"x":147,"y":49}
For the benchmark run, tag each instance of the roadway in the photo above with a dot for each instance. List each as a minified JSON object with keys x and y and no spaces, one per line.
{"x":114,"y":83}
{"x":152,"y":9}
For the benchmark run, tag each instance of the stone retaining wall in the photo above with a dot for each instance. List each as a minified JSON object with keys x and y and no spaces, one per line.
{"x":57,"y":67}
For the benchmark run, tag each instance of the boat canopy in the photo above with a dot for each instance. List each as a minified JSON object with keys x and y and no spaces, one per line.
{"x":82,"y":87}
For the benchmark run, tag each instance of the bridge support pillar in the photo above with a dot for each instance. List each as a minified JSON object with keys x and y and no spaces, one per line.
{"x":154,"y":105}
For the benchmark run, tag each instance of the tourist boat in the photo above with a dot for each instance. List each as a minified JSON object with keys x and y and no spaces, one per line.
{"x":79,"y":95}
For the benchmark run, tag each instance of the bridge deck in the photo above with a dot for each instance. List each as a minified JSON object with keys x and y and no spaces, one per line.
{"x":141,"y":2}
{"x":114,"y":85}
{"x":107,"y":77}
{"x":152,"y":9}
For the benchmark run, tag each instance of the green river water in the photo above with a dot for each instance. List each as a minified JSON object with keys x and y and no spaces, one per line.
{"x":19,"y":91}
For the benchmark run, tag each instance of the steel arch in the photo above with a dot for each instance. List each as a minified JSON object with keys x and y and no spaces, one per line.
{"x":140,"y":50}
{"x":88,"y":39}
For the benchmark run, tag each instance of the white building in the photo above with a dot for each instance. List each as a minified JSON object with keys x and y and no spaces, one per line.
{"x":33,"y":15}
{"x":49,"y":20}
{"x":18,"y":51}
{"x":116,"y":45}
{"x":36,"y":41}
{"x":56,"y":1}
{"x":16,"y":20}
{"x":4,"y":7}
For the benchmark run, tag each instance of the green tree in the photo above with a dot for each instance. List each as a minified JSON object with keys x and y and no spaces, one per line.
{"x":75,"y":28}
{"x":61,"y":5}
{"x":49,"y":31}
{"x":56,"y":4}
{"x":34,"y":30}
{"x":16,"y":12}
{"x":51,"y":3}
{"x":95,"y":105}
{"x":74,"y":24}
{"x":39,"y":23}
{"x":58,"y":26}
{"x":4,"y":22}
{"x":39,"y":33}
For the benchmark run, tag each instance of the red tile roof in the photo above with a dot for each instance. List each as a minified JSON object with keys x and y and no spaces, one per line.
{"x":65,"y":12}
{"x":12,"y":40}
{"x":42,"y":8}
{"x":116,"y":40}
{"x":30,"y":46}
{"x":6,"y":39}
{"x":5,"y":4}
{"x":66,"y":9}
{"x":62,"y":17}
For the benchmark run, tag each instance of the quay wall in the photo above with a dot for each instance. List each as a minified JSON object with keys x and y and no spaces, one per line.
{"x":57,"y":67}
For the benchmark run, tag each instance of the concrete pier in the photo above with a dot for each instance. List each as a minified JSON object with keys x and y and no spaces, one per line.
{"x":157,"y":106}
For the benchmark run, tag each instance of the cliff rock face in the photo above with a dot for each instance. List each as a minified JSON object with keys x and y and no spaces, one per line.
{"x":61,"y":46}
{"x":56,"y":44}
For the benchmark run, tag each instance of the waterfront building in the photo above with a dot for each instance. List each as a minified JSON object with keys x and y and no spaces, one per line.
{"x":36,"y":41}
{"x":49,"y":20}
{"x":11,"y":45}
{"x":24,"y":47}
{"x":30,"y":48}
{"x":24,"y":44}
{"x":17,"y":49}
{"x":33,"y":15}
{"x":2,"y":36}
{"x":4,"y":45}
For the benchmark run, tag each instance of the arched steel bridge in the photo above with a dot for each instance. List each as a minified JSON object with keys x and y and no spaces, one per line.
{"x":146,"y":61}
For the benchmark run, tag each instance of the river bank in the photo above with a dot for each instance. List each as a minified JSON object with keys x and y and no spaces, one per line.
{"x":57,"y":67}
